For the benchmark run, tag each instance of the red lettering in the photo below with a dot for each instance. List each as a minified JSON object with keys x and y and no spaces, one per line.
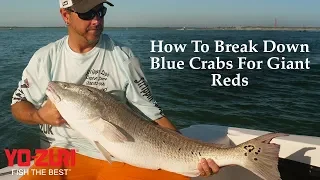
{"x":10,"y":156}
{"x":19,"y":153}
{"x":41,"y":155}
{"x":22,"y":152}
{"x":27,"y":152}
{"x":57,"y":158}
{"x":69,"y":157}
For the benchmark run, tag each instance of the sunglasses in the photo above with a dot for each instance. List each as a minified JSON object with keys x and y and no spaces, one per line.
{"x":91,"y":14}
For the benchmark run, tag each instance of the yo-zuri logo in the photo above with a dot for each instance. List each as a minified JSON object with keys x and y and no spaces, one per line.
{"x":45,"y":157}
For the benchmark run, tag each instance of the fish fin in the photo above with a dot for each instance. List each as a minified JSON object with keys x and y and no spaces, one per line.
{"x":112,"y":133}
{"x":262,"y":157}
{"x":104,"y":152}
{"x":118,"y":95}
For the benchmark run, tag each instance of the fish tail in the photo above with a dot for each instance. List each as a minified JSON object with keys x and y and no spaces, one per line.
{"x":261,"y":156}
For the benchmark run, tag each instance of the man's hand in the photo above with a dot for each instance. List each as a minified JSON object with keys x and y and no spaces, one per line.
{"x":50,"y":115}
{"x":207,"y":167}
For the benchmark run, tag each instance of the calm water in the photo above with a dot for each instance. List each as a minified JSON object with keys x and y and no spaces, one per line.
{"x":275,"y":100}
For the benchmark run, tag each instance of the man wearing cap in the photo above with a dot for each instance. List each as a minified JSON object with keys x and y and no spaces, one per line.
{"x":86,"y":56}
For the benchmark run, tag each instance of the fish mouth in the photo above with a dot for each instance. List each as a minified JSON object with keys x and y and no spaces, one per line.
{"x":52,"y":94}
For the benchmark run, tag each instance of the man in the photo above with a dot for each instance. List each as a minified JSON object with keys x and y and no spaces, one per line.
{"x":86,"y":56}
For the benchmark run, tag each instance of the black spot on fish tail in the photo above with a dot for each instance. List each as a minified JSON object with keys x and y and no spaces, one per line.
{"x":251,"y":148}
{"x":246,"y":154}
{"x":179,"y":149}
{"x":256,"y":159}
{"x":89,"y":90}
{"x":199,"y":154}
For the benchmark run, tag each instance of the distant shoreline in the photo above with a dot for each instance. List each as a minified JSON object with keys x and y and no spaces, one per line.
{"x":259,"y":28}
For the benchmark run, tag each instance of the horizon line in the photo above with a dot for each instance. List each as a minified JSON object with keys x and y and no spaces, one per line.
{"x":196,"y":27}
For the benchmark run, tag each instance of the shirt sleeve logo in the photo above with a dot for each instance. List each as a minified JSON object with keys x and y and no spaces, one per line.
{"x":146,"y":92}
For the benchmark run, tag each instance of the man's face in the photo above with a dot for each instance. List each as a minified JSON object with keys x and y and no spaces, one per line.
{"x":89,"y":29}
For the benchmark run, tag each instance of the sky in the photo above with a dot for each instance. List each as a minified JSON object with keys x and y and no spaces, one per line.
{"x":172,"y":13}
